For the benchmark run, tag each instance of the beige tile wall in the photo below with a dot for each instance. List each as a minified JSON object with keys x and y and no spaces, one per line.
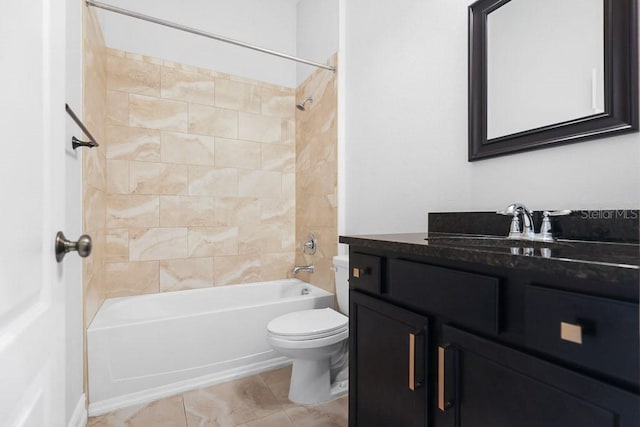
{"x":200,"y":177}
{"x":316,"y":174}
{"x":94,"y":166}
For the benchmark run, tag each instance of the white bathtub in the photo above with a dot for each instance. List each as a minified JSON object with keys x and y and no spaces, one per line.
{"x":147,"y":347}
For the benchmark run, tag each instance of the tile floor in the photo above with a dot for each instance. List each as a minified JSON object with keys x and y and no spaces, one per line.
{"x":256,"y":401}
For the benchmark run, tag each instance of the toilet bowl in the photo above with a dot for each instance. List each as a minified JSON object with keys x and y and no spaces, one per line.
{"x":316,"y":340}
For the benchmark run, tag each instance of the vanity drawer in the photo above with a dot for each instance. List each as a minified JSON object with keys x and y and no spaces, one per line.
{"x":468,"y":299}
{"x":365,"y":272}
{"x":592,"y":332}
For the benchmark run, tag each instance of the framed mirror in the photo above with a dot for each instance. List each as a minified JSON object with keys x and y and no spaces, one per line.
{"x":546,"y":72}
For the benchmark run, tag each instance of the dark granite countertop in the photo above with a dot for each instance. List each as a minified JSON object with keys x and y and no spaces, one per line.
{"x":605,"y":261}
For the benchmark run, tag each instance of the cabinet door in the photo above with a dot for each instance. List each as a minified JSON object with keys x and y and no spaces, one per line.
{"x":500,"y":387}
{"x":387,"y":360}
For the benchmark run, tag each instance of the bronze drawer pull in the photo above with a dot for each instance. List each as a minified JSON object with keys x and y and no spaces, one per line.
{"x":358,"y":272}
{"x":445,"y":365}
{"x":416,"y":360}
{"x":412,"y":362}
{"x":570,"y":332}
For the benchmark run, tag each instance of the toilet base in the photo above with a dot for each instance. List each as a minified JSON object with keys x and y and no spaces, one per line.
{"x":311,"y":382}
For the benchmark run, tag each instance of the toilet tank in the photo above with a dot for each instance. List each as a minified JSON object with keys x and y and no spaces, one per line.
{"x":341,"y":268}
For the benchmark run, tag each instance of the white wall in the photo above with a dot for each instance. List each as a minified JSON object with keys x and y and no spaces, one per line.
{"x":317,"y":33}
{"x":406,"y":130}
{"x":270,"y":24}
{"x":74,"y":400}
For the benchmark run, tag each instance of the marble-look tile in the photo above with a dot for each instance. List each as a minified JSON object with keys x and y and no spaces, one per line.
{"x":233,"y":211}
{"x":242,"y":79}
{"x":234,"y":269}
{"x":212,"y":241}
{"x":143,"y":58}
{"x":180,"y":274}
{"x":155,"y":113}
{"x":278,"y":157}
{"x":94,"y":212}
{"x":278,"y":103}
{"x":255,"y":127}
{"x":127,"y":143}
{"x":180,"y":66}
{"x":211,"y":121}
{"x":265,"y":237}
{"x":230,"y":404}
{"x":278,"y":381}
{"x":323,"y":277}
{"x":93,"y":297}
{"x":115,"y":52}
{"x":288,"y":185}
{"x":167,"y":412}
{"x":157,"y":178}
{"x":279,"y":419}
{"x":176,"y":211}
{"x":117,"y":245}
{"x":288,"y":132}
{"x":157,"y":243}
{"x":131,"y":278}
{"x":131,"y":76}
{"x":187,"y":86}
{"x":315,"y":183}
{"x":117,"y":176}
{"x":208,"y":181}
{"x":235,"y":95}
{"x":117,"y":108}
{"x":258,"y":183}
{"x":275,"y":266}
{"x":235,"y":153}
{"x":277,"y":211}
{"x":93,"y":169}
{"x":187,"y":149}
{"x":329,"y":414}
{"x":316,"y":211}
{"x":132,"y":211}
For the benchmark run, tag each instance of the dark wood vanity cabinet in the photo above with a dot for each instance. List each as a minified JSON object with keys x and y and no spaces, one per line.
{"x":486,"y":347}
{"x":495,"y":385}
{"x":388,"y":351}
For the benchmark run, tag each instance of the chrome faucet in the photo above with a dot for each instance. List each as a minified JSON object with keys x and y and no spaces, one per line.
{"x":528,"y":232}
{"x":298,"y":268}
{"x":515,"y":231}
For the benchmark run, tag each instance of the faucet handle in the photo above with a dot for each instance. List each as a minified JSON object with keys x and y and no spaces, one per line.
{"x":558,"y":213}
{"x":546,"y":234}
{"x":515,"y":231}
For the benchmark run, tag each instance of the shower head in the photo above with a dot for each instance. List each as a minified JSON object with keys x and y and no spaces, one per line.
{"x":303,"y":103}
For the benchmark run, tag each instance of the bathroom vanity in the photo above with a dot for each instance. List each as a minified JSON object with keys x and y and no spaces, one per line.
{"x":472,"y":330}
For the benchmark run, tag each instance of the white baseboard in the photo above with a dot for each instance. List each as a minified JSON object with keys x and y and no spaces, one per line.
{"x":79,"y":416}
{"x":146,"y":396}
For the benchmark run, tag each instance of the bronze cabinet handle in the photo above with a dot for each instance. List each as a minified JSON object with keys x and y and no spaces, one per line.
{"x":571,"y":332}
{"x":416,"y":360}
{"x":445,"y":365}
{"x":412,"y":362}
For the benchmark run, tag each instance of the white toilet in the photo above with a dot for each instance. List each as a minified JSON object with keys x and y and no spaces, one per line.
{"x":316,"y":340}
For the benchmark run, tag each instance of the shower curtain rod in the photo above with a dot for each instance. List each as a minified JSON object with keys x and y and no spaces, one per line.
{"x":204,"y":34}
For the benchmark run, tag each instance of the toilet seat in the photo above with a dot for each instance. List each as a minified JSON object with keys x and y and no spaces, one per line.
{"x":308,"y":325}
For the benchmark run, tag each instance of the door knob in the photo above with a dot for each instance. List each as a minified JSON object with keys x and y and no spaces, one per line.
{"x":64,"y":246}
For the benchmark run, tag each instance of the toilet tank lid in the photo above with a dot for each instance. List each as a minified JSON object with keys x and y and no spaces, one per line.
{"x":341,"y":261}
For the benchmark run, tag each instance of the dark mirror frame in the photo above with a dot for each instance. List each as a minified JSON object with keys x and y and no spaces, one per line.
{"x":620,"y":86}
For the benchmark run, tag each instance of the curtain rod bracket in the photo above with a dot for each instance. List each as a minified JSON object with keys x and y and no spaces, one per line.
{"x":75,"y":142}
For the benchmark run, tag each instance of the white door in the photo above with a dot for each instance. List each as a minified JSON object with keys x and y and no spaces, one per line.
{"x":32,"y":120}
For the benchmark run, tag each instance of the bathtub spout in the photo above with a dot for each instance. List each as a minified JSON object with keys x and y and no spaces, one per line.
{"x":298,"y":268}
